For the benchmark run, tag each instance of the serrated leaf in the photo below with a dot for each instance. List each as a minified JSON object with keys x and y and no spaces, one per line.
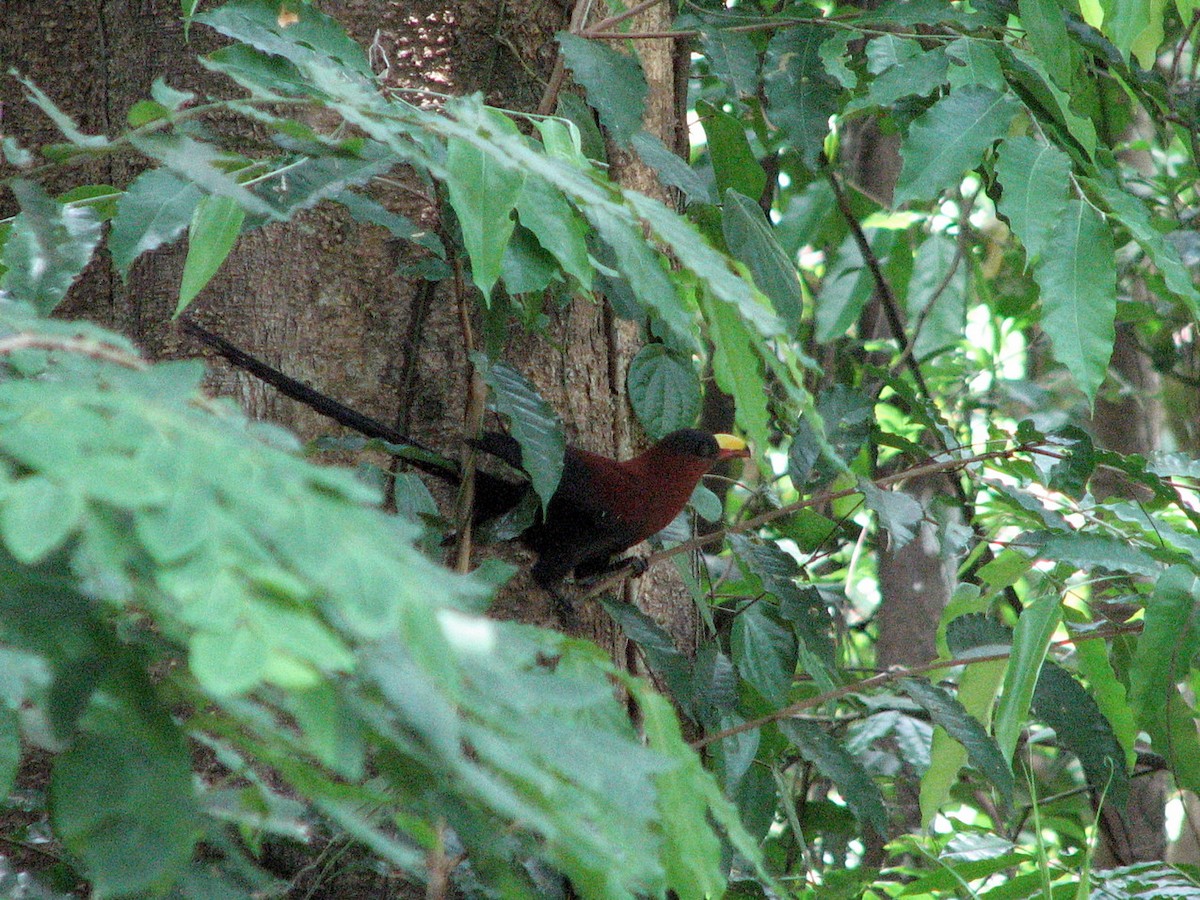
{"x":613,"y":82}
{"x":976,"y":64}
{"x":535,"y":425}
{"x":800,"y":95}
{"x":154,"y":210}
{"x":949,"y":138}
{"x":1035,"y":177}
{"x":733,"y":162}
{"x":1109,"y":693}
{"x":61,"y":120}
{"x":764,"y":651}
{"x":48,"y":247}
{"x":1078,"y":281}
{"x":664,"y":391}
{"x":483,"y":194}
{"x":1062,"y":703}
{"x":559,"y":229}
{"x":750,"y":238}
{"x":215,"y":227}
{"x":982,"y":751}
{"x":853,"y":782}
{"x":1087,"y":551}
{"x":200,"y":164}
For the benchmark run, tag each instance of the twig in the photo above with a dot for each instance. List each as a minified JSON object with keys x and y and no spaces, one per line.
{"x":81,"y":346}
{"x":634,"y":10}
{"x":549,"y":99}
{"x":895,"y":674}
{"x":473,"y":415}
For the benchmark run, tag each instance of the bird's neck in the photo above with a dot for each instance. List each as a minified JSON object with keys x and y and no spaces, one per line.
{"x":668,"y":481}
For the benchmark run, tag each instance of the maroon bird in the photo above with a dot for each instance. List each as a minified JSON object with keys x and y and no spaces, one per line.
{"x":601,"y":507}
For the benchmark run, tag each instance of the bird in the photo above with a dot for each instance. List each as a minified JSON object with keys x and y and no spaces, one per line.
{"x":601,"y":507}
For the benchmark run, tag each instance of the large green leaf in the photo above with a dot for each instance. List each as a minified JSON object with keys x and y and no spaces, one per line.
{"x":483,"y":194}
{"x":801,"y":97}
{"x":1078,"y":281}
{"x":48,"y":247}
{"x":1062,"y":703}
{"x":613,"y":82}
{"x":535,"y":425}
{"x":200,"y":164}
{"x":1031,"y":641}
{"x":558,"y":227}
{"x":734,"y":165}
{"x":737,"y":368}
{"x":1132,"y":213}
{"x":154,"y":210}
{"x":1035,"y":177}
{"x":937,"y":295}
{"x":750,"y":238}
{"x":664,"y":390}
{"x":37,"y":516}
{"x":832,"y":760}
{"x":215,"y":227}
{"x":949,"y":138}
{"x":764,"y":651}
{"x":1046,"y":29}
{"x":982,"y":751}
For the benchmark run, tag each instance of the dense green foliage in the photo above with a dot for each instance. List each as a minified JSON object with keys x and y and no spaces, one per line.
{"x":180,"y":588}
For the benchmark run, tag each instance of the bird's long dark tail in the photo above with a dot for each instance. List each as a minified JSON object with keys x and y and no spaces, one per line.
{"x":415,"y":453}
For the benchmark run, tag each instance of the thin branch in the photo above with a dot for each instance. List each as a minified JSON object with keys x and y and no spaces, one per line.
{"x":611,"y":21}
{"x":81,"y":346}
{"x":895,"y":674}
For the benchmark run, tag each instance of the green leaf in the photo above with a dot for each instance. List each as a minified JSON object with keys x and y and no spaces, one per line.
{"x":800,"y":95}
{"x":483,"y":195}
{"x":215,"y":227}
{"x":665,"y":660}
{"x":750,"y":238}
{"x":691,"y":852}
{"x":764,"y":651}
{"x":976,"y":62}
{"x":228,"y":663}
{"x":559,"y":229}
{"x":61,"y":120}
{"x":1029,"y":78}
{"x":847,"y":286}
{"x":121,"y":798}
{"x":1031,"y":640}
{"x":1035,"y":177}
{"x":1078,"y":281}
{"x":1132,"y":213}
{"x":733,"y":161}
{"x":1087,"y":551}
{"x":200,"y":164}
{"x":612,"y":80}
{"x":1046,"y":29}
{"x":312,"y":41}
{"x":671,"y":170}
{"x":899,"y":513}
{"x":154,"y":210}
{"x":37,"y":517}
{"x":1062,"y":703}
{"x":982,"y":751}
{"x":10,"y":749}
{"x":937,"y":295}
{"x":535,"y":425}
{"x":949,"y":138}
{"x":732,"y":57}
{"x":664,"y":391}
{"x":1109,"y":693}
{"x":48,"y":247}
{"x":847,"y":773}
{"x":737,"y":369}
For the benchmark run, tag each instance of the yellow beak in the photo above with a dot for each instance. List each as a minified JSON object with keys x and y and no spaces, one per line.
{"x":731,"y":446}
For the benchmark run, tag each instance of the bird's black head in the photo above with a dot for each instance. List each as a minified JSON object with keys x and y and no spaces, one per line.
{"x":702,"y":445}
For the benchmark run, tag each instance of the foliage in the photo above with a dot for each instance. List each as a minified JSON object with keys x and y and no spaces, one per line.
{"x":177,"y":583}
